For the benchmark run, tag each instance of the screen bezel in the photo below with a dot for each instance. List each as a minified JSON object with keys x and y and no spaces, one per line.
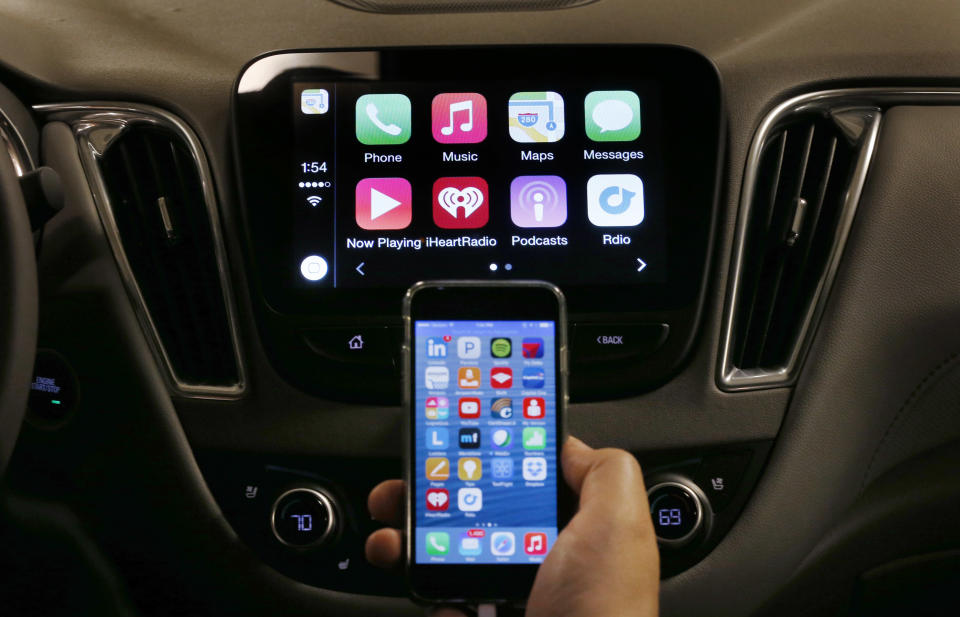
{"x":690,"y":98}
{"x":479,"y":300}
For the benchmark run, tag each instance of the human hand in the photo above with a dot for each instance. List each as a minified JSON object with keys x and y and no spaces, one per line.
{"x":604,"y":562}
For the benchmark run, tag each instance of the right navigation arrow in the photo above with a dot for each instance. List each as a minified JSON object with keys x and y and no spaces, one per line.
{"x":641,"y":264}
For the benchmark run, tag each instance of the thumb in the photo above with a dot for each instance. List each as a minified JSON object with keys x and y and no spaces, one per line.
{"x":576,"y":459}
{"x":595,"y":473}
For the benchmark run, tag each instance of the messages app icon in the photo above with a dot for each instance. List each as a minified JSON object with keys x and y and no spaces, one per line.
{"x":612,"y":115}
{"x":383,"y":119}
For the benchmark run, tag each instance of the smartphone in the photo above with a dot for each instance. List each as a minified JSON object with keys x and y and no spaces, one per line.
{"x":485,"y":372}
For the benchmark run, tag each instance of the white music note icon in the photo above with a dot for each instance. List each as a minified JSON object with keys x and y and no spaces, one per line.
{"x":459,"y":118}
{"x":535,"y":544}
{"x":467,"y":126}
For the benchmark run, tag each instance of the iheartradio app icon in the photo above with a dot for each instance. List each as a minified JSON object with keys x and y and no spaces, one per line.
{"x":461,"y":203}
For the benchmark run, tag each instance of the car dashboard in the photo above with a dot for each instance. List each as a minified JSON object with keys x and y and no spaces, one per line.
{"x":247,"y":191}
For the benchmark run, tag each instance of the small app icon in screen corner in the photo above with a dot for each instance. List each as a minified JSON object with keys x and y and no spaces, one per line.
{"x":314,"y":101}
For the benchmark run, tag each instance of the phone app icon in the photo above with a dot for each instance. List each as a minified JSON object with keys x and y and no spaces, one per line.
{"x":437,"y":408}
{"x":461,"y":203}
{"x":384,"y":203}
{"x":501,"y":468}
{"x":438,"y":543}
{"x":436,"y":378}
{"x":501,"y":347}
{"x":535,"y":117}
{"x":438,"y":468}
{"x":532,"y":347}
{"x":534,"y":408}
{"x":615,"y":200}
{"x":534,"y":469}
{"x":436,"y":347}
{"x":438,"y":499}
{"x":438,"y":439}
{"x":503,"y":543}
{"x":383,"y":119}
{"x":501,"y":438}
{"x":469,"y":438}
{"x":468,"y":347}
{"x":533,"y":377}
{"x":469,"y":408}
{"x":535,"y":543}
{"x":314,"y":101}
{"x":470,"y":542}
{"x":501,"y":377}
{"x":470,"y":499}
{"x":459,"y":118}
{"x":538,"y":201}
{"x":501,"y":408}
{"x":534,"y":438}
{"x":469,"y":469}
{"x":612,"y":115}
{"x":468,"y":377}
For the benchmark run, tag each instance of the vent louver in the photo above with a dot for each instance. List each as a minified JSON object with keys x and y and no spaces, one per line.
{"x":151,"y":186}
{"x":803,"y":182}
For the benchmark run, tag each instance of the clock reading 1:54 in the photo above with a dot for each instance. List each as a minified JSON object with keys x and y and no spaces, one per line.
{"x":313,"y":167}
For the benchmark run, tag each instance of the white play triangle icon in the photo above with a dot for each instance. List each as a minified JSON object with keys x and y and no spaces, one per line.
{"x":380,"y":204}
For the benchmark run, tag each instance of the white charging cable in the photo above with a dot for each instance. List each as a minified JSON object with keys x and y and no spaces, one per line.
{"x":486,"y":610}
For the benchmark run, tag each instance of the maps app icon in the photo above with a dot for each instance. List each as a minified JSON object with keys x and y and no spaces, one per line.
{"x":536,"y":117}
{"x":315,"y":101}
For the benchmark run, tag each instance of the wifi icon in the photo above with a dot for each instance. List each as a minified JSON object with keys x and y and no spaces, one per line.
{"x":314,"y":200}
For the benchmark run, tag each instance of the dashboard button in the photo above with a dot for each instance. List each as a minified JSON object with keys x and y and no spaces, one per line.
{"x":303,"y":518}
{"x":369,"y":345}
{"x":605,"y":342}
{"x":53,"y":391}
{"x":719,"y":477}
{"x":677,"y":512}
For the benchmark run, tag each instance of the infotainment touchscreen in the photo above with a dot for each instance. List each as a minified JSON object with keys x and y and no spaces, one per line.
{"x":592,"y":168}
{"x":554,"y":179}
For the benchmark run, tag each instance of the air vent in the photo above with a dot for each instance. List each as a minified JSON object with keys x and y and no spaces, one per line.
{"x":803,"y":182}
{"x":155,"y":199}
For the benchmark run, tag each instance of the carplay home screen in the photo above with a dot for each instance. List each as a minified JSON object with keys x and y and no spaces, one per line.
{"x":400,"y":182}
{"x":485,"y":441}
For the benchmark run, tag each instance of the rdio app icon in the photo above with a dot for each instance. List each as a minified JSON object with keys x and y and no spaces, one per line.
{"x":615,"y":200}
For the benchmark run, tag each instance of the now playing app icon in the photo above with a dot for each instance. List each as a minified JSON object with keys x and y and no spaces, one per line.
{"x":384,"y":203}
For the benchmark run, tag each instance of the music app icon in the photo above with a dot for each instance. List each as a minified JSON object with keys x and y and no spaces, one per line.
{"x":535,"y":543}
{"x":459,"y":118}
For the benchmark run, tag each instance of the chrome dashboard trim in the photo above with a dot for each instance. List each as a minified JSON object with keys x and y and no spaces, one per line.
{"x":870,"y":101}
{"x":95,"y":126}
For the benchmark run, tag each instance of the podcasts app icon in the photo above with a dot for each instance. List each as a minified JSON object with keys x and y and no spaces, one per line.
{"x":461,"y":203}
{"x":538,"y":201}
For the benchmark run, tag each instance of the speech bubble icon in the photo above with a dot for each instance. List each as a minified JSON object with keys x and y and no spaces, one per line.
{"x":612,"y":115}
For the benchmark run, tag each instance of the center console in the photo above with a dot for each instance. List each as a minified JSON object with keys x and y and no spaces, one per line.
{"x":593,"y":167}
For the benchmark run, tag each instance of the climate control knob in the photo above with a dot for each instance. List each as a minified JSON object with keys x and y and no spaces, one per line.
{"x":680,"y":511}
{"x":304,"y":518}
